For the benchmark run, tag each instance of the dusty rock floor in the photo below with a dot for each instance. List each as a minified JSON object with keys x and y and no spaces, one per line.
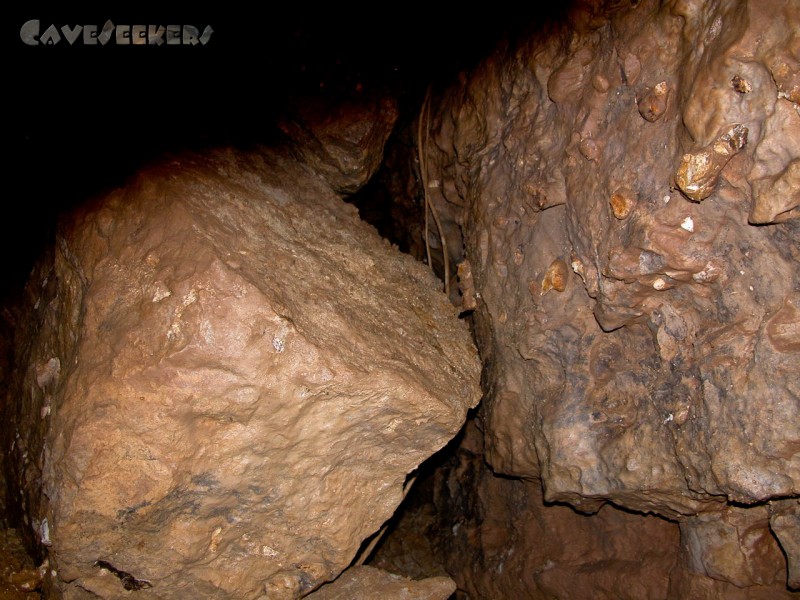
{"x":19,"y":578}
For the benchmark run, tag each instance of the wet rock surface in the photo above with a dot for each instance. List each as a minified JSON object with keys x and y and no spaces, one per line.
{"x":625,"y":184}
{"x":222,"y":379}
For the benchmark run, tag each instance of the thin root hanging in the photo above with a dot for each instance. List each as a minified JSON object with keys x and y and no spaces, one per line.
{"x":422,"y":153}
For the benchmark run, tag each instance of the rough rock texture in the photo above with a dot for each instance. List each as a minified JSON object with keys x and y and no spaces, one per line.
{"x":511,"y":548}
{"x":626,"y":183}
{"x":223,"y":381}
{"x":344,"y":141}
{"x":19,"y":579}
{"x":369,"y":583}
{"x":785,"y":524}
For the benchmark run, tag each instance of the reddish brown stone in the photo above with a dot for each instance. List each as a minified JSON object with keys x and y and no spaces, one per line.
{"x":667,"y":382}
{"x":225,"y":377}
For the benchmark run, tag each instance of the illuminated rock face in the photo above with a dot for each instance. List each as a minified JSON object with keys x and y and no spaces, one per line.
{"x":368,"y":583}
{"x":225,"y":379}
{"x":651,"y":147}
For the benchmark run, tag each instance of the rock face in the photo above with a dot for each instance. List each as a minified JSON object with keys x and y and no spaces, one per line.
{"x":19,"y":579}
{"x":625,"y":181}
{"x":343,"y":142}
{"x":369,"y":583}
{"x":507,"y":545}
{"x":223,"y":380}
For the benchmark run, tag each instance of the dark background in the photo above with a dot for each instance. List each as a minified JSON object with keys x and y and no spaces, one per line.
{"x":83,"y":118}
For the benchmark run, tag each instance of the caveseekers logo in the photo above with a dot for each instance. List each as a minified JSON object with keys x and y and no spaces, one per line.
{"x":122,"y":35}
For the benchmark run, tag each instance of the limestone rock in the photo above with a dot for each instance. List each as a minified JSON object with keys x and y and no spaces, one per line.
{"x":342,"y":142}
{"x":663,"y":378}
{"x":785,"y":523}
{"x":735,"y":546}
{"x":677,"y":327}
{"x":223,"y":380}
{"x":699,"y":172}
{"x":498,"y":540}
{"x":369,"y":583}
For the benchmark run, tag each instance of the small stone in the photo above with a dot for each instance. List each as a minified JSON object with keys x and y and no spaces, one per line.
{"x":622,"y":201}
{"x":519,"y":255}
{"x":699,"y":171}
{"x":600,"y":83}
{"x":741,"y":85}
{"x":555,"y":278}
{"x":577,"y":266}
{"x":589,"y":149}
{"x":710,"y":272}
{"x":653,"y":102}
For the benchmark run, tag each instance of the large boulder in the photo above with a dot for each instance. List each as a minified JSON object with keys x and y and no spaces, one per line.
{"x":222,"y":382}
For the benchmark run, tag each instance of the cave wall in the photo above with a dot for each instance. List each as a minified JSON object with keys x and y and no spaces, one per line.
{"x":626,"y":182}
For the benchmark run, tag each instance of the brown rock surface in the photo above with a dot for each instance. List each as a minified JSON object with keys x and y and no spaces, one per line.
{"x":501,"y":541}
{"x":369,"y":583}
{"x":662,"y":375}
{"x":785,"y":524}
{"x":344,"y":141}
{"x":498,"y":539}
{"x":19,"y":578}
{"x":677,"y":325}
{"x":734,"y":546}
{"x":222,"y":381}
